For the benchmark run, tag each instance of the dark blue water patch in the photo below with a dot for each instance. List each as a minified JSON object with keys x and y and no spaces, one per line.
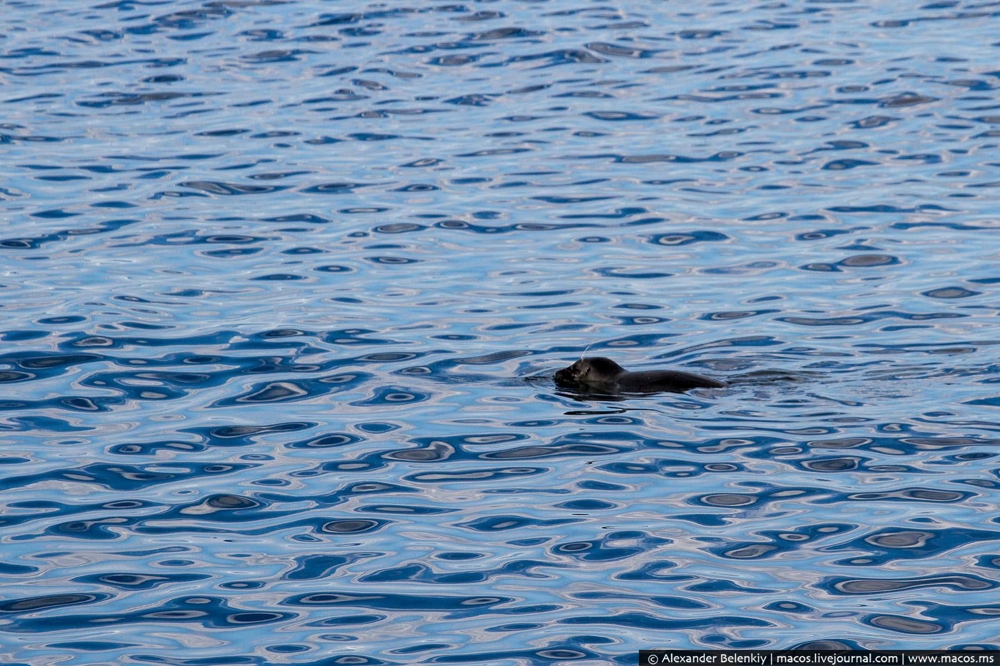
{"x":22,"y":335}
{"x":330,"y":440}
{"x":8,"y":569}
{"x":341,"y":495}
{"x":985,"y":402}
{"x":11,"y":377}
{"x":841,"y":464}
{"x":354,"y":336}
{"x":755,"y":500}
{"x":93,"y":646}
{"x":886,"y":208}
{"x":341,"y":187}
{"x":462,"y":442}
{"x":92,"y":404}
{"x":670,"y":467}
{"x":392,"y":395}
{"x":935,"y":618}
{"x":334,"y":268}
{"x":610,"y":547}
{"x":723,"y":586}
{"x":204,"y":611}
{"x":950,"y":292}
{"x":138,"y":386}
{"x":377,"y":428}
{"x":458,"y":556}
{"x":223,"y":508}
{"x":65,"y":319}
{"x":829,"y":644}
{"x":620,"y":115}
{"x":288,"y":649}
{"x":628,"y":273}
{"x":29,"y":605}
{"x":195,"y":237}
{"x":505,"y":522}
{"x":454,"y":606}
{"x":609,"y":419}
{"x":704,"y":519}
{"x":443,"y":370}
{"x":867,"y":317}
{"x":552,"y":653}
{"x":377,"y":460}
{"x":111,"y":99}
{"x":557,"y":57}
{"x":650,"y":622}
{"x":96,"y":529}
{"x":736,"y":314}
{"x":391,"y":260}
{"x":417,"y":572}
{"x":318,"y":566}
{"x":319,"y":528}
{"x":557,"y":449}
{"x":201,"y":438}
{"x":429,"y":451}
{"x":846,"y":164}
{"x":897,"y":544}
{"x":417,"y":649}
{"x":621,"y":51}
{"x":475,"y":474}
{"x":955,"y":582}
{"x":462,"y":225}
{"x":934,"y":495}
{"x":128,"y":477}
{"x":680,"y":603}
{"x":724,"y":156}
{"x":587,"y":505}
{"x":778,"y":542}
{"x":789,"y":608}
{"x":687,"y":238}
{"x":294,"y":391}
{"x":45,"y":365}
{"x":277,"y":55}
{"x":855,"y":261}
{"x":654,"y":571}
{"x":403,"y":509}
{"x":54,"y":214}
{"x":75,"y":341}
{"x":308,"y":218}
{"x":139,"y":581}
{"x":822,"y":234}
{"x":988,"y":561}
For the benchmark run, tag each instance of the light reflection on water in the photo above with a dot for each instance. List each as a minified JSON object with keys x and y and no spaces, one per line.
{"x":284,"y":291}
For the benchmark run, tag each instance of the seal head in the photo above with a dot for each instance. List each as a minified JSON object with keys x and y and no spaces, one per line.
{"x":603,"y":374}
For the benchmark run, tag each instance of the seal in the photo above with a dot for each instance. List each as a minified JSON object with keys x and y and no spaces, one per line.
{"x":603,"y":374}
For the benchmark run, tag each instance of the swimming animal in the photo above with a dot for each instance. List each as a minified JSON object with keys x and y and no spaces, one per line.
{"x":603,"y":374}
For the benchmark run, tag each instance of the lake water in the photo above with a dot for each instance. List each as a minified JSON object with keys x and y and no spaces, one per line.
{"x":284,"y":286}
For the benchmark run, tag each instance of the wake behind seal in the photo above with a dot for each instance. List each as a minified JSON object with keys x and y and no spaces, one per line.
{"x":602,"y":374}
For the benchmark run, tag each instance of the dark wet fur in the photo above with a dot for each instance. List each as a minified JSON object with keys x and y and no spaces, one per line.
{"x":606,"y":375}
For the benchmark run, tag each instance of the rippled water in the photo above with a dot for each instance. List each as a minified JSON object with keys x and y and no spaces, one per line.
{"x":284,"y":286}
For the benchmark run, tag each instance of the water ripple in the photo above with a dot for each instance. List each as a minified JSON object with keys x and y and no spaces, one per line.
{"x":285,"y":289}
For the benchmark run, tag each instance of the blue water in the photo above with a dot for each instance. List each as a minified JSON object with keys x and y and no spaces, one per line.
{"x":284,"y":286}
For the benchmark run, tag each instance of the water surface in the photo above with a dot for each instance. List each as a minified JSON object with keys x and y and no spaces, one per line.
{"x":284,"y":286}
